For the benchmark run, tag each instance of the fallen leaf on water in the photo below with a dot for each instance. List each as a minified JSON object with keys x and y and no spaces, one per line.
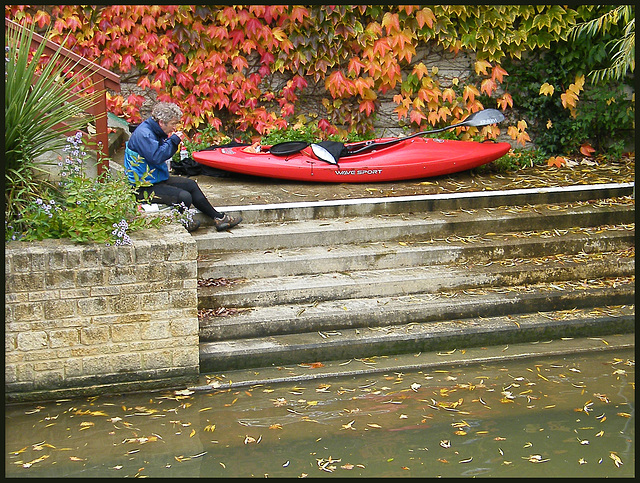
{"x":616,"y":459}
{"x":90,"y":413}
{"x":536,"y":458}
{"x":374,"y":425}
{"x":75,"y":458}
{"x":37,"y":460}
{"x":624,"y":415}
{"x":582,"y":461}
{"x":468,"y":460}
{"x":210,"y":427}
{"x":349,"y":425}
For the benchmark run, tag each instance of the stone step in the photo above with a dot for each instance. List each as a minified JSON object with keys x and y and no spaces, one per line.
{"x":378,"y":255}
{"x":381,"y":311}
{"x":446,"y":335}
{"x":366,"y":207}
{"x":406,"y":280}
{"x":412,"y":226}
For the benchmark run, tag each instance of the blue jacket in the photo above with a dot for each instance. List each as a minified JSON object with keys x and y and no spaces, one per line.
{"x":149,"y":147}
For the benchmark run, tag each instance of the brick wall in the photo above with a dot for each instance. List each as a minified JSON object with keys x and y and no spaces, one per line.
{"x":96,"y":318}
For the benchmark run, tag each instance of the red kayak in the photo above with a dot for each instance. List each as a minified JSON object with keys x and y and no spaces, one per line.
{"x":398,"y":159}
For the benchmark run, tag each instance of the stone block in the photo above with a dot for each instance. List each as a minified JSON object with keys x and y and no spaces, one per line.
{"x":25,"y":372}
{"x":26,"y":312}
{"x":26,"y":282}
{"x":92,"y":306}
{"x":94,"y":335}
{"x":155,"y":301}
{"x":125,"y":255}
{"x":49,"y":379}
{"x":91,"y":277}
{"x":93,"y":365}
{"x":126,"y":362}
{"x":57,"y":309}
{"x":123,"y":304}
{"x":186,"y":357}
{"x":60,"y":279}
{"x":91,"y":256}
{"x":125,"y":332}
{"x":184,"y":298}
{"x":155,"y":330}
{"x":184,"y":326}
{"x":64,"y":338}
{"x":31,"y":341}
{"x":157,"y":360}
{"x":72,"y":368}
{"x":121,"y":275}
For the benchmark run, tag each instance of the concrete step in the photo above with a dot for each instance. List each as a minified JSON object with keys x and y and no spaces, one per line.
{"x":446,"y":335}
{"x":406,"y":280}
{"x":381,"y":311}
{"x":411,"y":226}
{"x":376,"y":255}
{"x":309,"y":210}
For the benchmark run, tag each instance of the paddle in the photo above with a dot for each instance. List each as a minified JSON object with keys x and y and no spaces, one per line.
{"x":480,"y":118}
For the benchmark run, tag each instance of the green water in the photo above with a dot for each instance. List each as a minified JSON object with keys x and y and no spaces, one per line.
{"x":563,"y":416}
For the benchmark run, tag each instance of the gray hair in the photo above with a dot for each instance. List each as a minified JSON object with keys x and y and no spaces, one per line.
{"x":166,"y":112}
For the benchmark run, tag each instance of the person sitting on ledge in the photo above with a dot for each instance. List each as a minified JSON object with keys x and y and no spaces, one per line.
{"x":151,"y":146}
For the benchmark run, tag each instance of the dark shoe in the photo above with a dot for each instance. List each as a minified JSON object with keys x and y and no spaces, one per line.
{"x":226,"y":222}
{"x":192,"y":225}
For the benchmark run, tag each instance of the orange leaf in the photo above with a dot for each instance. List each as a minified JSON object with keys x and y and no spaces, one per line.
{"x":488,"y":86}
{"x":587,"y":150}
{"x":425,"y":16}
{"x":498,"y":73}
{"x":557,"y":161}
{"x":417,"y":117}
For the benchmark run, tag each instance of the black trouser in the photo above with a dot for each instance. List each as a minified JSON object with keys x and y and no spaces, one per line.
{"x":177,"y":190}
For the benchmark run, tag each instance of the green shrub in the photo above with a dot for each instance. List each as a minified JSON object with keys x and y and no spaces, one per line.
{"x":81,"y":208}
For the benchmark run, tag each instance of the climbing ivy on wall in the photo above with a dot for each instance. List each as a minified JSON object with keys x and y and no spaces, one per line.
{"x":245,"y":69}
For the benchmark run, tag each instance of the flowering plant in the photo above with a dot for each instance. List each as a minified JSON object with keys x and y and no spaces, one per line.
{"x":83,"y":208}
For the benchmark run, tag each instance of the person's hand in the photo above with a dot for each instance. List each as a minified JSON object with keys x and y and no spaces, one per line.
{"x":180,"y":134}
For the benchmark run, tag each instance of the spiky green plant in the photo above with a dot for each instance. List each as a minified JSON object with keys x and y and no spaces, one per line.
{"x":41,"y":92}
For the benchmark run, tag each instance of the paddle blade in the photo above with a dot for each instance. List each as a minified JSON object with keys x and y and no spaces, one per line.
{"x":483,"y":118}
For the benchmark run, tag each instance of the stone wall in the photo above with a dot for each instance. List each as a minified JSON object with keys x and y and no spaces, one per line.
{"x":92,"y":318}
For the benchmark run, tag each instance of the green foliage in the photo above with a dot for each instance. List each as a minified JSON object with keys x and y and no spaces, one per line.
{"x":81,"y":208}
{"x":622,"y":46}
{"x":603,"y":117}
{"x":38,"y":96}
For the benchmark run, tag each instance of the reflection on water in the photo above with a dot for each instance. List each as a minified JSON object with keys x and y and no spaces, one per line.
{"x":564,"y":416}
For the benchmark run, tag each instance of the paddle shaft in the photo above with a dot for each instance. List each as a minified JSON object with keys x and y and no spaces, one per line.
{"x":480,"y":118}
